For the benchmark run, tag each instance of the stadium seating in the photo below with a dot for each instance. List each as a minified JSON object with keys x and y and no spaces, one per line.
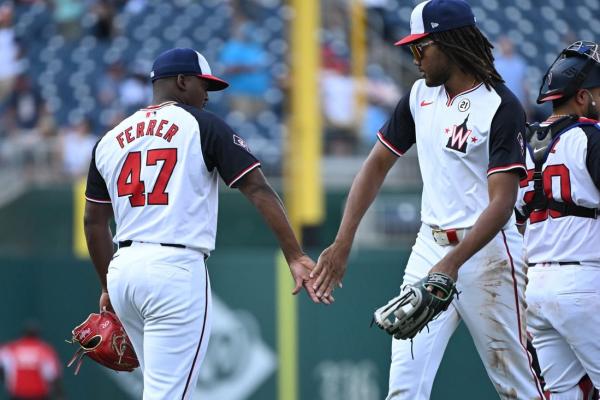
{"x":539,"y":28}
{"x":66,"y":71}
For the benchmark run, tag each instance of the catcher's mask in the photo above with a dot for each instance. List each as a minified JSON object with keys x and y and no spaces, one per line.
{"x":576,"y":67}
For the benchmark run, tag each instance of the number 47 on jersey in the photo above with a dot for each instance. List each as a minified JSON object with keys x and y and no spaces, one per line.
{"x":130,"y":184}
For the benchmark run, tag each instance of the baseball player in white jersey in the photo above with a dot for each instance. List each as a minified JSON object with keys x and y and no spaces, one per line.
{"x":157,"y":173}
{"x":560,"y":200}
{"x":468,"y":128}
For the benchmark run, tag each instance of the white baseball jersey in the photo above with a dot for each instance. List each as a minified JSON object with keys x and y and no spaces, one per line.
{"x":571,"y":174}
{"x":159,"y":168}
{"x":460,"y":142}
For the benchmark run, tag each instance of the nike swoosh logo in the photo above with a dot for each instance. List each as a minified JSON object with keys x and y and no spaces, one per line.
{"x":424,"y":103}
{"x":535,"y":151}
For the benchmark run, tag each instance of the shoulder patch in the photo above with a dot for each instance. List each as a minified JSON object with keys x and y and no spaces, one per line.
{"x":521,"y":142}
{"x":240,"y":142}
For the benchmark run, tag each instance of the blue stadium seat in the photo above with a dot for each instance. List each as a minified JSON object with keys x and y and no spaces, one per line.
{"x":66,"y":71}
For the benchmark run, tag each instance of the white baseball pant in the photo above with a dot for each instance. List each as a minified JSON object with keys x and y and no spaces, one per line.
{"x":564,"y":320}
{"x":491,"y":303}
{"x":162,"y":296}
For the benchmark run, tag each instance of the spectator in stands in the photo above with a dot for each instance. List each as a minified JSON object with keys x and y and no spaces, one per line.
{"x":338,"y":95}
{"x":10,"y":65}
{"x":107,"y":86}
{"x":67,"y":15}
{"x":109,"y":118}
{"x":513,"y":68}
{"x":254,"y":10}
{"x":26,"y":111}
{"x":119,"y":94}
{"x":76,"y":144}
{"x":382,"y":95}
{"x":245,"y":63}
{"x":135,"y":91}
{"x":27,"y":127}
{"x":382,"y":19}
{"x":30,"y":367}
{"x":104,"y":13}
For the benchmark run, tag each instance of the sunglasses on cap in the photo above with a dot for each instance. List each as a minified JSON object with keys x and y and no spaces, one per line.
{"x":418,"y":48}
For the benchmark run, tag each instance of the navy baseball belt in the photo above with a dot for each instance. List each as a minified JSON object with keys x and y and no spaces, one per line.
{"x":554,"y":262}
{"x":127,"y":243}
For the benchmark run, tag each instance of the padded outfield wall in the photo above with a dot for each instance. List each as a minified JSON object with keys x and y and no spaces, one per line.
{"x":339,"y":355}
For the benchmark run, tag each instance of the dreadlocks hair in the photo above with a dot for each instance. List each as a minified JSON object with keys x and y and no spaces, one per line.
{"x":471,"y":51}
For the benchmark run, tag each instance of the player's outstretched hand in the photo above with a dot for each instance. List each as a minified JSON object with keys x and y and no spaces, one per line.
{"x":300,"y":269}
{"x":330,"y":269}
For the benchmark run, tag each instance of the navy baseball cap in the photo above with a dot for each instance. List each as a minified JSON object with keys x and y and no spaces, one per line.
{"x":437,"y":16}
{"x":185,"y":61}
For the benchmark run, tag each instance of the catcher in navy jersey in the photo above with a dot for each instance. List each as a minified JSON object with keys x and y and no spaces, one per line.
{"x":157,"y":173}
{"x":560,"y":201}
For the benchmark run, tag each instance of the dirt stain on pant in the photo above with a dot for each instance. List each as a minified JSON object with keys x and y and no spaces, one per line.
{"x":497,"y":359}
{"x":492,"y":275}
{"x":507,"y":393}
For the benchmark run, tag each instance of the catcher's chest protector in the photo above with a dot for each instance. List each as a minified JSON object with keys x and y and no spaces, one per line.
{"x":541,"y":140}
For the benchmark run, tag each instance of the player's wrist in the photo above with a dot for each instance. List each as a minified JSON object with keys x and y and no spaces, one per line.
{"x":291,"y":256}
{"x":343,"y":244}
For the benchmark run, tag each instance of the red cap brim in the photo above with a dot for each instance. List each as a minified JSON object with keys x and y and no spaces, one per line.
{"x":410,"y":38}
{"x":214,"y":83}
{"x":550,"y":97}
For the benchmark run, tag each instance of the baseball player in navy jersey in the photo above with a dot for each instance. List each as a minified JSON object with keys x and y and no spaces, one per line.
{"x":468,"y":128}
{"x":157,"y":173}
{"x":560,"y":201}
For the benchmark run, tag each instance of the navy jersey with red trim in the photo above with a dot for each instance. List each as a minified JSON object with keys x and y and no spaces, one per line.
{"x":159,"y":169}
{"x":460,"y":141}
{"x":571,"y":174}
